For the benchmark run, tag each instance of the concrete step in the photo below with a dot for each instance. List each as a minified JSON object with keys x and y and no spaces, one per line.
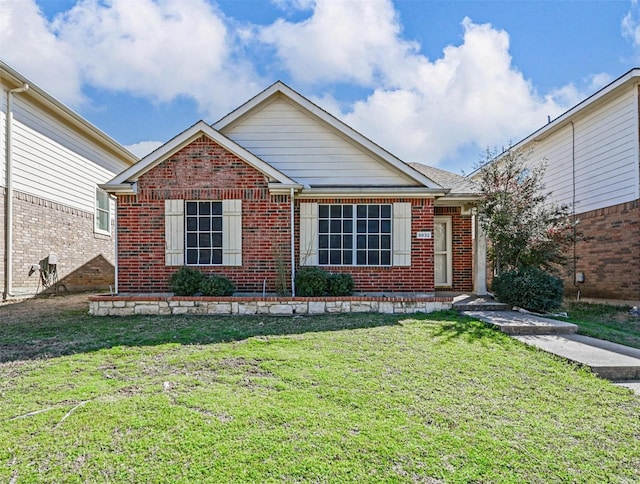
{"x":608,"y":360}
{"x":516,"y":323}
{"x":478,"y":303}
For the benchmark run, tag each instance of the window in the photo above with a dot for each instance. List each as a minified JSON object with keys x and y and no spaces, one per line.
{"x":354,"y":235}
{"x":103,"y":212}
{"x":203,"y":222}
{"x":203,"y":232}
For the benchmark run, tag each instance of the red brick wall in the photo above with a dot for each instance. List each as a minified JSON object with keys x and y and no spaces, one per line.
{"x":610,"y":260}
{"x":462,"y":247}
{"x":201,"y":171}
{"x":205,"y":171}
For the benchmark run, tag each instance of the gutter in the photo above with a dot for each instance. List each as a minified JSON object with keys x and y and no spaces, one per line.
{"x":8,"y":220}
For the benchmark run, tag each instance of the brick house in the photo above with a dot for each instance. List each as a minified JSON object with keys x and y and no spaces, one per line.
{"x":592,"y":153}
{"x":280,"y":184}
{"x":51,"y":162}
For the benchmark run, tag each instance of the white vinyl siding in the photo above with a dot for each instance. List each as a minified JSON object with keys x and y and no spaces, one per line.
{"x":606,"y":156}
{"x":309,"y":151}
{"x":231,"y":232}
{"x":401,"y":234}
{"x":53,"y":161}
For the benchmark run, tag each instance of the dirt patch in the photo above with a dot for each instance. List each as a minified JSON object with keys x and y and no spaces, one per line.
{"x":19,"y":310}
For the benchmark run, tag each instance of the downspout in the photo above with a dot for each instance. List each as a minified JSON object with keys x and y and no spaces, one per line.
{"x":8,"y":219}
{"x":573,"y":207}
{"x":293,"y":251}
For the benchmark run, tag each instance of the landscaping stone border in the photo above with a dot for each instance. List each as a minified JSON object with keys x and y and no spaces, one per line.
{"x":130,"y":304}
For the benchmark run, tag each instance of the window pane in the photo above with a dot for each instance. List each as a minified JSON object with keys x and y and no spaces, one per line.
{"x":385,"y":226}
{"x":216,"y":208}
{"x":385,"y":242}
{"x":192,"y":224}
{"x":335,"y":242}
{"x":103,"y":220}
{"x":204,"y":223}
{"x":323,"y":241}
{"x":192,"y":256}
{"x":323,"y":226}
{"x":385,"y":211}
{"x":373,"y":258}
{"x":347,"y":226}
{"x":347,"y":211}
{"x":374,"y":211}
{"x":361,"y":241}
{"x":216,"y":240}
{"x":192,"y":208}
{"x":323,"y":257}
{"x":336,"y":211}
{"x":385,"y":258}
{"x":373,"y":227}
{"x":361,"y":257}
{"x":347,"y":257}
{"x":335,"y":257}
{"x":347,"y":241}
{"x":362,"y":226}
{"x":192,"y":240}
{"x":335,"y":226}
{"x":216,"y":256}
{"x":204,"y":256}
{"x":323,"y":211}
{"x":362,"y":211}
{"x":204,"y":240}
{"x":216,"y":224}
{"x":204,"y":208}
{"x":373,"y":241}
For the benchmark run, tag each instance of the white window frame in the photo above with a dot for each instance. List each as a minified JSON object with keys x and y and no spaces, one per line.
{"x":98,"y":210}
{"x":448,"y":252}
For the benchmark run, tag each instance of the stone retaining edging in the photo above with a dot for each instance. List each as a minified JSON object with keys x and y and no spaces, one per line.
{"x":168,"y":304}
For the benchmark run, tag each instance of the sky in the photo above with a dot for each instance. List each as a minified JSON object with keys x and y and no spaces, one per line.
{"x":435,"y":82}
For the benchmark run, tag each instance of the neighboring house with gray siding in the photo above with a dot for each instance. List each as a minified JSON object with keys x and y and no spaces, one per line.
{"x":51,"y":163}
{"x":593,"y":165}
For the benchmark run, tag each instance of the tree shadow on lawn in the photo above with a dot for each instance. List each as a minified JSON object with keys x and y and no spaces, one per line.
{"x":76,"y":332}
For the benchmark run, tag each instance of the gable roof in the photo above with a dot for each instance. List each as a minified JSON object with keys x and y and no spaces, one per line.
{"x":14,"y":79}
{"x":279,"y":89}
{"x":126,"y":181}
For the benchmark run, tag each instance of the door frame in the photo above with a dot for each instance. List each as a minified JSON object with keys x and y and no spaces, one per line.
{"x":448,"y":252}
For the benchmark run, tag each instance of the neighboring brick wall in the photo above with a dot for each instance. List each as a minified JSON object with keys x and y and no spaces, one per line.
{"x":205,"y":171}
{"x":610,"y":260}
{"x":462,"y":247}
{"x":40,"y":227}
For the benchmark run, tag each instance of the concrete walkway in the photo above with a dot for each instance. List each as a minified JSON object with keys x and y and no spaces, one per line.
{"x":618,"y":363}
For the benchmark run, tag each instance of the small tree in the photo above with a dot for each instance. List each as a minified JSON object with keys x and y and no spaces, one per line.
{"x":523,"y":228}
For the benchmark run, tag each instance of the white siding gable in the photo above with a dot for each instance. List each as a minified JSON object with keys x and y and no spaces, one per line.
{"x":606,"y":155}
{"x":308,"y":150}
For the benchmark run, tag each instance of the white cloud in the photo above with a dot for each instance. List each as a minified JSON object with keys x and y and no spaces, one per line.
{"x":630,"y":25}
{"x":29,"y":46}
{"x":143,"y":148}
{"x":158,"y":49}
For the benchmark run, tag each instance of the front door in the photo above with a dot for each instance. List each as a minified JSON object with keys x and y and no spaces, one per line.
{"x":442,"y":253}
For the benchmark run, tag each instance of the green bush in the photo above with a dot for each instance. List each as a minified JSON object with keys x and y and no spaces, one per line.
{"x":216,"y":285}
{"x":340,"y":284}
{"x":529,"y":288}
{"x":186,"y":281}
{"x":311,"y":282}
{"x":190,"y":282}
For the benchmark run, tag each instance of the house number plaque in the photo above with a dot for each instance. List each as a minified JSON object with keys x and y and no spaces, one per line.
{"x":423,"y":235}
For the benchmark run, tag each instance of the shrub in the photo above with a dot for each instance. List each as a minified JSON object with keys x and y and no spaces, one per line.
{"x":186,"y":281}
{"x":190,"y":282}
{"x":216,"y":285}
{"x":529,"y":288}
{"x":311,"y":282}
{"x":340,"y":284}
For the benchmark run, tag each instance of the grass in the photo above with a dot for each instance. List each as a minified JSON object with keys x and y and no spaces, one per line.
{"x":603,"y":321}
{"x":335,"y":398}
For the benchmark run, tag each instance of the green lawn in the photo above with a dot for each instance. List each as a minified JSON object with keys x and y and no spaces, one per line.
{"x":345,"y":398}
{"x":603,"y":321}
